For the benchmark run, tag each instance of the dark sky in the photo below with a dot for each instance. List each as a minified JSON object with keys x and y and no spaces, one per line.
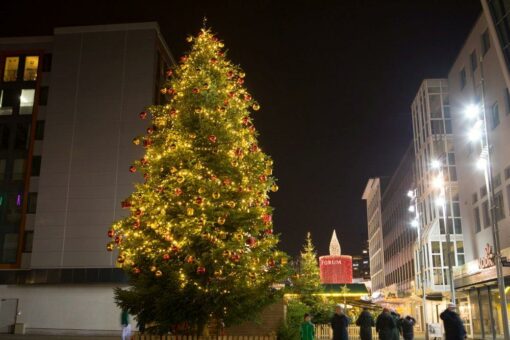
{"x":335,"y":80}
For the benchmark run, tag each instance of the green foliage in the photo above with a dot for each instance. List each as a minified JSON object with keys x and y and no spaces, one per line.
{"x":295,"y":313}
{"x":307,"y":282}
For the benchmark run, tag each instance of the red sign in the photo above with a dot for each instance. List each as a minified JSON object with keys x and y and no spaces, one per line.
{"x":487,"y":261}
{"x":336,"y":269}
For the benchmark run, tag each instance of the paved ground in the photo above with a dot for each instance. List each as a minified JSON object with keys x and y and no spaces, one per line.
{"x":56,"y":337}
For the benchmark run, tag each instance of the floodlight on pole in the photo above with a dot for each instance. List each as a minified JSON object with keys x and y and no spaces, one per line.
{"x":435,"y":164}
{"x":472,"y":111}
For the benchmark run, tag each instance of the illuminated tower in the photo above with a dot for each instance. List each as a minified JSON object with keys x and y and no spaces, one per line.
{"x":335,"y":267}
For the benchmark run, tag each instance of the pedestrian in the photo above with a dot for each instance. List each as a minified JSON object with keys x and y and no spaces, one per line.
{"x":339,"y":324}
{"x":396,"y":331}
{"x":407,"y":325}
{"x":365,"y":322}
{"x":307,"y":330}
{"x":126,"y":327}
{"x":453,"y":325}
{"x":385,"y":324}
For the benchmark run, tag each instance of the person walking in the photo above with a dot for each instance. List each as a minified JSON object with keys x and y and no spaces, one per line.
{"x":126,"y":326}
{"x":365,"y":322}
{"x":407,"y":325}
{"x":339,"y":323}
{"x":385,"y":324}
{"x":395,"y":331}
{"x":307,"y":330}
{"x":453,"y":325}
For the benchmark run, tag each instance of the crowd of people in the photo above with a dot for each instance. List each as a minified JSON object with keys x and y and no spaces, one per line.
{"x":389,"y":325}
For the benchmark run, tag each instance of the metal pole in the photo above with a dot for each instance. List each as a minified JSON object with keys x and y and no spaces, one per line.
{"x":448,"y":246}
{"x":492,"y":208}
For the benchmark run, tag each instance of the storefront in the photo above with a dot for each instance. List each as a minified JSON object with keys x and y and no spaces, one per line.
{"x":478,"y":295}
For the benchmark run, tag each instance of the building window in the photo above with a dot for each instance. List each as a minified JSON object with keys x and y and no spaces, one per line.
{"x":26,"y":101}
{"x":486,"y":216}
{"x":474,"y":62}
{"x":11,"y":69}
{"x":507,"y":172}
{"x":478,"y":225}
{"x":43,"y":95}
{"x":28,"y":241}
{"x":474,"y":198}
{"x":496,"y":180}
{"x":22,"y":137}
{"x":32,"y":203}
{"x":483,"y":191}
{"x":36,"y":166}
{"x":7,"y":101}
{"x":486,"y":43}
{"x":18,"y":169}
{"x":46,"y":62}
{"x":499,"y":206}
{"x":39,"y":130}
{"x":462,"y":78}
{"x":507,"y":100}
{"x":31,"y":66}
{"x":495,"y":115}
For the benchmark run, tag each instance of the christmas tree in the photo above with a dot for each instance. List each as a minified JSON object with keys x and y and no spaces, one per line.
{"x":198,"y":242}
{"x":308,"y":282}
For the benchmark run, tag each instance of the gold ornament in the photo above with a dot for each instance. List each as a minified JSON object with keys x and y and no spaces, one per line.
{"x":274,"y":188}
{"x":173,"y":170}
{"x":159,"y":273}
{"x":153,"y":268}
{"x":256,"y":107}
{"x":231,"y":204}
{"x":201,"y":190}
{"x":190,"y":211}
{"x":221,"y":220}
{"x":268,"y":171}
{"x":216,"y":195}
{"x":180,"y":179}
{"x":189,"y":39}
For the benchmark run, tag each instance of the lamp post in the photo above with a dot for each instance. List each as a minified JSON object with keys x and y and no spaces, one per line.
{"x":415,"y":223}
{"x":479,"y":132}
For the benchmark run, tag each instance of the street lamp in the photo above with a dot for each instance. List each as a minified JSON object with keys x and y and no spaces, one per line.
{"x":415,"y":223}
{"x":478,"y":113}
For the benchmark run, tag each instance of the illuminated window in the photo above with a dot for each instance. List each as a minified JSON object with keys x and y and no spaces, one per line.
{"x":7,"y":100}
{"x":31,"y":65}
{"x":26,"y":101}
{"x":11,"y":68}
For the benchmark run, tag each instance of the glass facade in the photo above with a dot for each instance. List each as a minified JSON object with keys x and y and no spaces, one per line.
{"x":18,"y":91}
{"x":500,"y":11}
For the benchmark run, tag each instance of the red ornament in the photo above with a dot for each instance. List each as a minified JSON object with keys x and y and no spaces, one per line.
{"x":267,"y":218}
{"x":146,"y":176}
{"x":111,"y":232}
{"x":184,"y":59}
{"x":169,"y":72}
{"x":266,"y":202}
{"x":199,"y":200}
{"x":201,"y":270}
{"x":144,"y":161}
{"x":136,"y":225}
{"x":150,"y":130}
{"x":227,"y":181}
{"x":240,"y":81}
{"x":268,"y":231}
{"x":213,"y":60}
{"x":195,"y":90}
{"x":166,"y":257}
{"x":172,"y":112}
{"x":132,"y":169}
{"x":171,"y":92}
{"x":138,"y":212}
{"x":262,"y":178}
{"x":246,"y":120}
{"x":221,"y":53}
{"x":125,"y":204}
{"x":147,"y":143}
{"x":251,"y":241}
{"x":247,"y":97}
{"x":118,"y":239}
{"x":231,"y":94}
{"x":239,"y":152}
{"x":235,"y":257}
{"x":190,"y":259}
{"x":271,"y":263}
{"x":178,"y":191}
{"x":143,"y":115}
{"x":175,"y":249}
{"x":254,"y":148}
{"x":230,"y":74}
{"x":136,"y":270}
{"x":225,"y":102}
{"x":212,"y":138}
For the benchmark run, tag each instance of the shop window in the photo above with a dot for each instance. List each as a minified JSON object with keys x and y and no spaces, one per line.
{"x":11,"y":69}
{"x":36,"y":166}
{"x":7,"y":101}
{"x":31,"y":66}
{"x":26,"y":101}
{"x":18,"y":169}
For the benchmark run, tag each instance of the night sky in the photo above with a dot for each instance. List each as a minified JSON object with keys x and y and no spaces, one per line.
{"x":335,"y":80}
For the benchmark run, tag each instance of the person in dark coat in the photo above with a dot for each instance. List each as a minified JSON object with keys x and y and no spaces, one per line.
{"x":407,"y":326}
{"x":365,"y":323}
{"x":339,"y":323}
{"x":385,"y":325}
{"x":453,"y":325}
{"x":396,"y":330}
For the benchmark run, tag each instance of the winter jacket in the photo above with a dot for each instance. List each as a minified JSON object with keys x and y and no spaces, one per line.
{"x":307,"y":331}
{"x":339,"y":324}
{"x":365,"y":323}
{"x":407,"y":325}
{"x":453,"y":326}
{"x":384,"y":325}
